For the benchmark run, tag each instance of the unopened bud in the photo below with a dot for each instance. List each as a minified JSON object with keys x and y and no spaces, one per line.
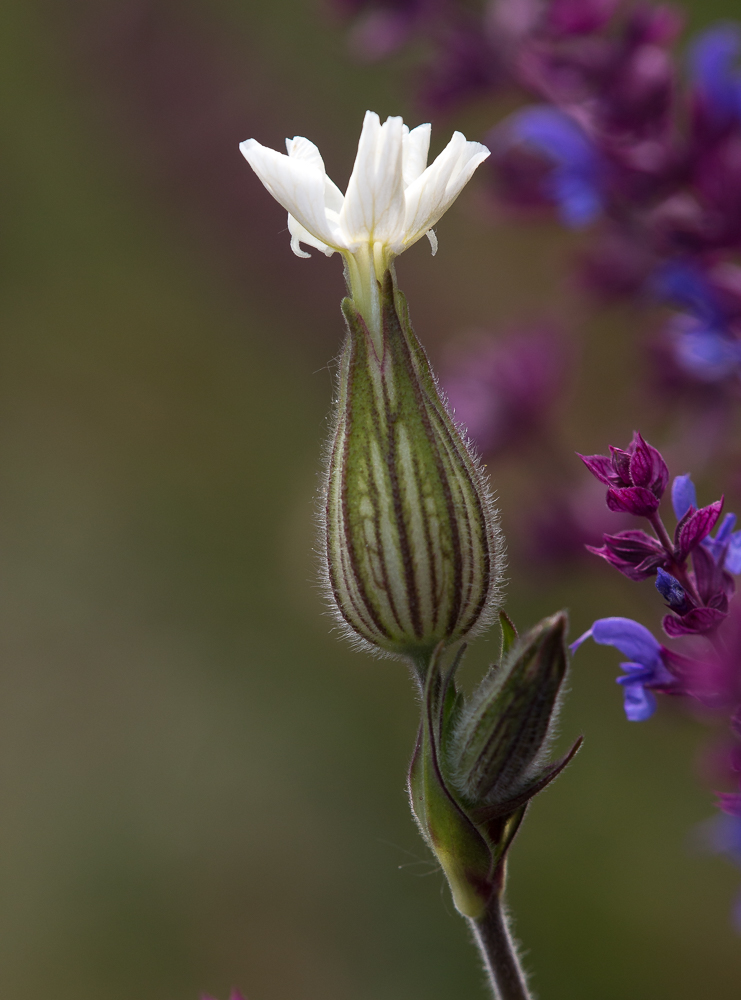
{"x":499,"y":740}
{"x":413,"y":550}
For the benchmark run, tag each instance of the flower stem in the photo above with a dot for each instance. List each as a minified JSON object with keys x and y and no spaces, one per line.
{"x":499,"y":953}
{"x":679,"y":570}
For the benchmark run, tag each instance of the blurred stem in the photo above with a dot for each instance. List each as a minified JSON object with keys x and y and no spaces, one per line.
{"x":498,"y":951}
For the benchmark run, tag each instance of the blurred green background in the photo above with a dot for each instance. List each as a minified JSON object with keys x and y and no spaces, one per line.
{"x":200,"y":787}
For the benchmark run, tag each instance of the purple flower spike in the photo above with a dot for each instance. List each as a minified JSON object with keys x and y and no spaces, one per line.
{"x":645,"y":669}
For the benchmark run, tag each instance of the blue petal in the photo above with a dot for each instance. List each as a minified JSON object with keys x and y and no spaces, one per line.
{"x":733,"y":556}
{"x":630,"y":637}
{"x":712,"y":58}
{"x":727,"y":525}
{"x":686,"y":286}
{"x":684,"y":495}
{"x":708,"y":354}
{"x":636,"y":674}
{"x":582,"y":638}
{"x":575,"y":182}
{"x":639,"y":703}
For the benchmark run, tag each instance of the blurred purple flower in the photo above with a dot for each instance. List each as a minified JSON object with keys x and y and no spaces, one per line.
{"x":713,"y":59}
{"x":503,"y":390}
{"x":722,"y":835}
{"x":580,"y":17}
{"x":646,"y":670}
{"x":466,"y":65}
{"x":573,"y":179}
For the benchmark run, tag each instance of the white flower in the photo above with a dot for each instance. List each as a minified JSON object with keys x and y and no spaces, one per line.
{"x":392,"y":200}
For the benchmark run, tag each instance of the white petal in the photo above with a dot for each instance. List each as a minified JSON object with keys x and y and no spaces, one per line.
{"x":416,"y":151}
{"x":432,"y":237}
{"x":300,"y":235}
{"x":302,"y":149}
{"x":297,"y":183}
{"x":432,"y":194}
{"x":374,"y":203}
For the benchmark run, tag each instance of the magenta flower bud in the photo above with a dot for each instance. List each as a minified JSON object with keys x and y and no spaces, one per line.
{"x":634,"y":553}
{"x":637,"y":477}
{"x":633,"y":500}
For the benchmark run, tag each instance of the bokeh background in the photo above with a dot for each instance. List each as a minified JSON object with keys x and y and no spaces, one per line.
{"x":200,"y":787}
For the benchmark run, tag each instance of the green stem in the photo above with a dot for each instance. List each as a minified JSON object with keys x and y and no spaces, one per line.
{"x":499,"y":953}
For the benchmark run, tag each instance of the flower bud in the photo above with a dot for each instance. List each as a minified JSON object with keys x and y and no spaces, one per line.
{"x":499,"y":738}
{"x":413,"y":549}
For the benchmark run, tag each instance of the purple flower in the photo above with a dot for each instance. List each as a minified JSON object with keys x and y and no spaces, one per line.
{"x":503,"y":390}
{"x":636,"y":477}
{"x":580,"y":17}
{"x":706,"y":353}
{"x":466,"y":65}
{"x":722,"y":835}
{"x":712,"y":59}
{"x":574,"y":178}
{"x":646,"y":669}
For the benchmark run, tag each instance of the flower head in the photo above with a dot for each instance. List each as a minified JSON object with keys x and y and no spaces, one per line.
{"x":393,"y":198}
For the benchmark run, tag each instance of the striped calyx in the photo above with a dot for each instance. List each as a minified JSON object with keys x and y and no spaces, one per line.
{"x":500,"y":738}
{"x":413,"y":550}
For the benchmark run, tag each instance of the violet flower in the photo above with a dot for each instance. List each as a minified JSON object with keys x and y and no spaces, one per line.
{"x":646,"y":669}
{"x":713,"y":59}
{"x":573,"y":178}
{"x":703,"y":338}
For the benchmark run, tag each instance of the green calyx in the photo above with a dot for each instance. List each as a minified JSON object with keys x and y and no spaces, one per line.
{"x":413,"y":551}
{"x":478,"y":761}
